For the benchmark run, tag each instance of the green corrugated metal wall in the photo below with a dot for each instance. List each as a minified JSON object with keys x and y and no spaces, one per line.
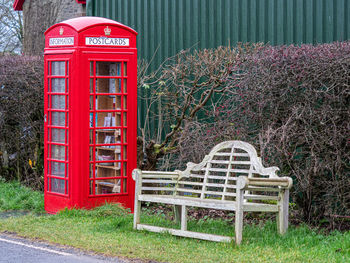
{"x":167,"y":26}
{"x":172,"y":25}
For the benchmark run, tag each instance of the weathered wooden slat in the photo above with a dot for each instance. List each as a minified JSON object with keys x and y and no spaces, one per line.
{"x":262,"y":189}
{"x":234,"y":154}
{"x":207,"y":203}
{"x":214,"y":177}
{"x":154,"y":181}
{"x":255,"y":207}
{"x":208,"y":184}
{"x":145,"y":188}
{"x":242,"y":171}
{"x":159,"y":176}
{"x":188,"y":190}
{"x":182,"y":233}
{"x":268,"y":183}
{"x":232,"y":162}
{"x":189,"y":201}
{"x":283,"y":182}
{"x":260,"y":197}
{"x":159,"y":172}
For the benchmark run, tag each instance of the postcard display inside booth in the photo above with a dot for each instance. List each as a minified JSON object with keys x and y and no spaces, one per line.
{"x":90,"y":113}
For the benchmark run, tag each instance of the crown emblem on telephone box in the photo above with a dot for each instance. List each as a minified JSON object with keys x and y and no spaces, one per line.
{"x":107,"y":31}
{"x":61,"y":31}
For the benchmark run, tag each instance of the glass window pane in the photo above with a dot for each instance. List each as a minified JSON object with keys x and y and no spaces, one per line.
{"x":125,"y":169}
{"x":125,"y":69}
{"x":108,"y":68}
{"x":108,"y":119}
{"x":58,"y":85}
{"x":58,"y":135}
{"x":111,"y":186}
{"x":124,"y":185}
{"x":115,"y":85}
{"x":58,"y":68}
{"x":125,"y":152}
{"x":124,"y":136}
{"x":91,"y":85}
{"x":106,"y":102}
{"x":91,"y":187}
{"x":57,"y":169}
{"x":91,"y":68}
{"x":58,"y":152}
{"x":125,"y":104}
{"x":91,"y":170}
{"x":58,"y":186}
{"x":58,"y":119}
{"x":125,"y":88}
{"x":125,"y":120}
{"x":108,"y":85}
{"x":58,"y":102}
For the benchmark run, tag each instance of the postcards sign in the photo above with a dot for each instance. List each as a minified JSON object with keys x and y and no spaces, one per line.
{"x":107,"y":41}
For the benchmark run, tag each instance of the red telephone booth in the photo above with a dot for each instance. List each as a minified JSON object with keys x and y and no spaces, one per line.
{"x":90,"y":113}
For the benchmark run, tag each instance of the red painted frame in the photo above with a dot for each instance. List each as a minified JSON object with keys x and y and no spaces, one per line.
{"x":78,"y":57}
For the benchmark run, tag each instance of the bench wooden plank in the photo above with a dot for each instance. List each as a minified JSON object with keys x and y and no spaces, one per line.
{"x":234,"y":154}
{"x":223,"y":170}
{"x":182,"y":233}
{"x":206,"y":203}
{"x":158,"y":176}
{"x":213,"y":177}
{"x":155,"y":181}
{"x":145,"y":188}
{"x":230,"y":162}
{"x":208,"y":184}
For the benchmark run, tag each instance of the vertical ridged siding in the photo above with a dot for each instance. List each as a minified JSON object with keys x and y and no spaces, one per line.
{"x":167,"y":26}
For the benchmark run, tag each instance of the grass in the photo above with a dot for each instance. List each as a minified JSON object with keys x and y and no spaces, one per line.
{"x":108,"y":230}
{"x":14,"y":196}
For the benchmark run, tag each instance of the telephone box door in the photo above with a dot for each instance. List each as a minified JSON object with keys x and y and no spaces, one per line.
{"x":112,"y":120}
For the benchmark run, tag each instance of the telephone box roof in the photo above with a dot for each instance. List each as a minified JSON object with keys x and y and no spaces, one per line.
{"x":81,"y":23}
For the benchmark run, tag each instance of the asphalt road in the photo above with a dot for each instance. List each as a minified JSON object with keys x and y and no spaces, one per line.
{"x":17,"y":250}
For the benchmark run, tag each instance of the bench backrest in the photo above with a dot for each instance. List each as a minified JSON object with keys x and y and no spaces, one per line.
{"x":215,"y":177}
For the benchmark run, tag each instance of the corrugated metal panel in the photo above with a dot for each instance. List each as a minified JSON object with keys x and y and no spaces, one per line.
{"x":167,"y":26}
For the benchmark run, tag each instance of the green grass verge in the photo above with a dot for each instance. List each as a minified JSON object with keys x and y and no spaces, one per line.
{"x":14,"y":196}
{"x":108,"y":230}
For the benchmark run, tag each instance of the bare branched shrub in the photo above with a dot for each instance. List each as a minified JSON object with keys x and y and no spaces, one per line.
{"x":21,"y":119}
{"x":293,"y":103}
{"x":181,"y":91}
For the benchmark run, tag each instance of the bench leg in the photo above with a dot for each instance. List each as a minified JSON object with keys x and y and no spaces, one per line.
{"x":282,"y":217}
{"x":239,"y":217}
{"x":177,"y":213}
{"x":183,"y":218}
{"x":137,"y":213}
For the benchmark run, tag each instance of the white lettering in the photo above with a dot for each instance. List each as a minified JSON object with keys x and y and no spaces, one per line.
{"x":61,"y":41}
{"x":104,"y":41}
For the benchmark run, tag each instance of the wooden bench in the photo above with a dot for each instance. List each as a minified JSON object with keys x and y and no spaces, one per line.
{"x":230,"y":178}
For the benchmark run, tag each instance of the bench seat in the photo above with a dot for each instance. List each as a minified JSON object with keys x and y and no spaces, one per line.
{"x":207,"y":203}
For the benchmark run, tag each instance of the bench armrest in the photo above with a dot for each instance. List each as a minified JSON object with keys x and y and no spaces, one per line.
{"x":244,"y":182}
{"x":138,"y":174}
